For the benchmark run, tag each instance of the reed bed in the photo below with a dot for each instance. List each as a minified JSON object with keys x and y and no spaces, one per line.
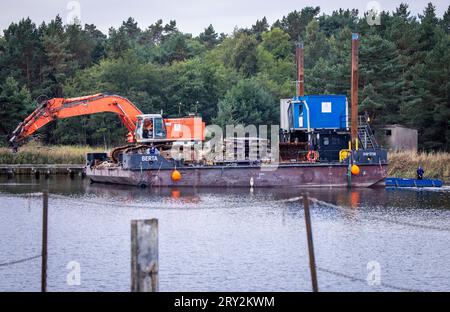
{"x":404,"y":164}
{"x":39,"y":154}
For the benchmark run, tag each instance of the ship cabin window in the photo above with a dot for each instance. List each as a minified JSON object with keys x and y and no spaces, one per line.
{"x":160,"y":131}
{"x":300,"y":116}
{"x":326,"y":107}
{"x":326,"y":141}
{"x":149,"y":128}
{"x":388,"y":132}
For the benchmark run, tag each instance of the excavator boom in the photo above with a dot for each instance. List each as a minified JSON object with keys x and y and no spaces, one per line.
{"x":60,"y":108}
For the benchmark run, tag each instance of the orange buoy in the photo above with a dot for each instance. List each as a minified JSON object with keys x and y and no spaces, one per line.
{"x":355,"y":169}
{"x":176,"y":175}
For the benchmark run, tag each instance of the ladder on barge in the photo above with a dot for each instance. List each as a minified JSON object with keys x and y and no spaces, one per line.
{"x":365,"y":133}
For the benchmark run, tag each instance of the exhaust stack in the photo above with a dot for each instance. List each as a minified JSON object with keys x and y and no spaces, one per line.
{"x":299,"y":57}
{"x":354,"y":90}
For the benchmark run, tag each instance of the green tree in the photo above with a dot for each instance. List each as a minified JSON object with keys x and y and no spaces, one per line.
{"x":428,"y":25}
{"x":405,"y":34}
{"x":339,"y":19}
{"x":370,"y":103}
{"x":209,"y":37}
{"x":316,"y":44}
{"x":131,"y":29}
{"x":154,"y":33}
{"x":98,"y":40}
{"x":295,"y":22}
{"x":55,"y":70}
{"x":118,"y":43}
{"x":80,"y":46}
{"x":169,"y":30}
{"x":380,"y":67}
{"x":21,"y":49}
{"x":340,"y":59}
{"x":178,"y":47}
{"x":317,"y":78}
{"x":239,"y":52}
{"x":435,"y":126}
{"x":446,"y":21}
{"x":15,"y":104}
{"x":275,"y":63}
{"x":55,"y":63}
{"x":247,"y":103}
{"x":260,"y":27}
{"x":277,"y":43}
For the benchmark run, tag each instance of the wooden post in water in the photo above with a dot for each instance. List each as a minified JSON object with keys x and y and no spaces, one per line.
{"x":144,"y":256}
{"x":312,"y":259}
{"x":44,"y":240}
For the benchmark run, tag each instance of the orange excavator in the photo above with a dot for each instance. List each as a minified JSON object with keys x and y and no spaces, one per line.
{"x":144,"y":130}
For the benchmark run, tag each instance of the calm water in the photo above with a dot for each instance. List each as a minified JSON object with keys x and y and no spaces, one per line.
{"x":227,"y":239}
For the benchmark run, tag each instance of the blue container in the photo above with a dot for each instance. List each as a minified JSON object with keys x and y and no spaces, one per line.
{"x":319,"y":112}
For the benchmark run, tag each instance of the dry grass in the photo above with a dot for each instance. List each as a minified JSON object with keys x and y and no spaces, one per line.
{"x":404,"y":164}
{"x":34,"y":153}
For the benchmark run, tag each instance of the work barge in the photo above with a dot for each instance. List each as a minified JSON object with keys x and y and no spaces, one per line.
{"x":320,"y":145}
{"x":321,"y":142}
{"x":283,"y":175}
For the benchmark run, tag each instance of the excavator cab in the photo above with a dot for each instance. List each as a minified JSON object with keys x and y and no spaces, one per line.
{"x":150,"y":128}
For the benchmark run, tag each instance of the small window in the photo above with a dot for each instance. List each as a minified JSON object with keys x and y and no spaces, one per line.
{"x":147,"y":132}
{"x":326,"y":107}
{"x":388,"y":132}
{"x":160,"y":131}
{"x":326,"y":141}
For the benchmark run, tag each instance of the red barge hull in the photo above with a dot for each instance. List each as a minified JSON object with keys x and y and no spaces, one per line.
{"x":284,"y":175}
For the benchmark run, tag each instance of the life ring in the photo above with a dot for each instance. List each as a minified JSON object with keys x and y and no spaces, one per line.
{"x":312,"y":156}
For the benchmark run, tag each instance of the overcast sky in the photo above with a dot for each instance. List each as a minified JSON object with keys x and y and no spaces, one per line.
{"x":192,"y":16}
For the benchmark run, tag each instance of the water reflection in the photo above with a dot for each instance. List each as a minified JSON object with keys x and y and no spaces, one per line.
{"x":224,"y":239}
{"x":352,"y":199}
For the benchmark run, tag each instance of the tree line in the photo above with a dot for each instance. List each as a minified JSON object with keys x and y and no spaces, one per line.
{"x":236,"y":78}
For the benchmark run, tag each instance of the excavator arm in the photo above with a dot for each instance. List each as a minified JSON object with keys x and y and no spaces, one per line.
{"x":60,"y":108}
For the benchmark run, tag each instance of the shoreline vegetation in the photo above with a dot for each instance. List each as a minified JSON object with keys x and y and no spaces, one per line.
{"x":404,"y":164}
{"x":35,"y":154}
{"x":401,"y":164}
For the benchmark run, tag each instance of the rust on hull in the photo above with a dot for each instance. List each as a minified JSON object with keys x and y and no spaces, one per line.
{"x":295,"y":175}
